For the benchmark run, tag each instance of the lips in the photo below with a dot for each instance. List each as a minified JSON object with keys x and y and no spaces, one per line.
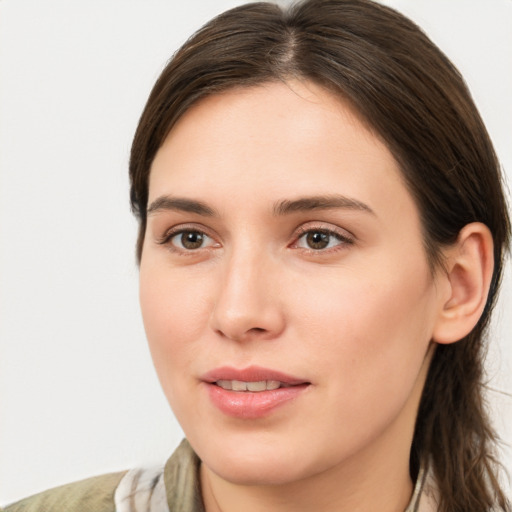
{"x":251,"y":374}
{"x":252,"y":392}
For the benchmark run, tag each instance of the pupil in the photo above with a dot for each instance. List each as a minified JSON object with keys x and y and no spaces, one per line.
{"x":192,"y":240}
{"x":318,"y":240}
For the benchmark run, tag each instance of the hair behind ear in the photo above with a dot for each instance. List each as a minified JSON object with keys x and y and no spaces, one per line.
{"x":452,"y":427}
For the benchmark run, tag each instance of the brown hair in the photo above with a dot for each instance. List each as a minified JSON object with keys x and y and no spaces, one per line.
{"x":405,"y":88}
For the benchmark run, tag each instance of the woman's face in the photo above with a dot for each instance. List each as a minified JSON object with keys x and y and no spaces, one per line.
{"x":283,"y":249}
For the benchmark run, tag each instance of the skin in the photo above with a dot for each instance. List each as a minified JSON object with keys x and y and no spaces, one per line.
{"x":355,"y":319}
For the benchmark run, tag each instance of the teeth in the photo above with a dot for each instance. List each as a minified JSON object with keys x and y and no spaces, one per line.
{"x":240,"y":385}
{"x":273,"y":384}
{"x":257,"y":386}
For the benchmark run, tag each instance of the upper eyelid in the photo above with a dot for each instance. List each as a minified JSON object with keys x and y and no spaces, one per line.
{"x":180,"y":228}
{"x":324,"y":226}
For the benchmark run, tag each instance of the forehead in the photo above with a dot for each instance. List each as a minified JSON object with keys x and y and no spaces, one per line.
{"x":258,"y":114}
{"x":277,"y":139}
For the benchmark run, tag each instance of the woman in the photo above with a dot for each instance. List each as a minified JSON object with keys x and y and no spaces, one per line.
{"x":321,"y":241}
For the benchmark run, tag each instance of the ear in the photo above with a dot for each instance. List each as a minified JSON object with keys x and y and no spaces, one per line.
{"x":469,"y":267}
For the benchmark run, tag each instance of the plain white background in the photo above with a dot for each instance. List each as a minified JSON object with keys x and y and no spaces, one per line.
{"x":78,"y":392}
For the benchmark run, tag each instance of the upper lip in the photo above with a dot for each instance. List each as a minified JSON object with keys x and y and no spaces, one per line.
{"x":250,"y":374}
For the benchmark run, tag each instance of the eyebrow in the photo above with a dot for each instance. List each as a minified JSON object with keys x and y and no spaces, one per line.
{"x":283,"y":207}
{"x":180,"y":204}
{"x":305,"y":204}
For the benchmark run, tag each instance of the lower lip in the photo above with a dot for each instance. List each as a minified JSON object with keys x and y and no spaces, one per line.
{"x":252,"y":405}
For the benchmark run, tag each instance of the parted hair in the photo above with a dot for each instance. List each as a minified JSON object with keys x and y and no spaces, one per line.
{"x":408,"y":93}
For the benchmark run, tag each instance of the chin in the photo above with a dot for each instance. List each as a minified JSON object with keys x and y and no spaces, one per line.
{"x":253,"y":463}
{"x":257,"y":473}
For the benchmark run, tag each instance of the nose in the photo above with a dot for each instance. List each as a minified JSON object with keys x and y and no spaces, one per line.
{"x":247,"y":303}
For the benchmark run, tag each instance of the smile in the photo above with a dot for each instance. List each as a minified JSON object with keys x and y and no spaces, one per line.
{"x":251,"y":393}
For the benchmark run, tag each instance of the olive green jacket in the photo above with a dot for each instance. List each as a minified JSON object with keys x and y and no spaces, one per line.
{"x":173,"y":489}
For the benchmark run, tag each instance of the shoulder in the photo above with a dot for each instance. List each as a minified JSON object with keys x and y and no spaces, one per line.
{"x":91,"y":495}
{"x":173,"y":487}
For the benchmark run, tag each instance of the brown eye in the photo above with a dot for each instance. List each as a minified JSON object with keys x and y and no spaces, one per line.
{"x":321,"y":239}
{"x":317,"y":239}
{"x":190,"y":240}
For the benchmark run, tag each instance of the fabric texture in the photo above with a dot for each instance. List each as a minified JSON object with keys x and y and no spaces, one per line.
{"x":173,"y":488}
{"x":141,"y":490}
{"x":424,"y":497}
{"x":91,"y":495}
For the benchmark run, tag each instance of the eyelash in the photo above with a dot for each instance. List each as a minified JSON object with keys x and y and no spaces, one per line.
{"x":344,"y":239}
{"x":166,"y":239}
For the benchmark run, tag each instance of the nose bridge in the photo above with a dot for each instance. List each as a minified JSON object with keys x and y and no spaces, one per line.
{"x":246,"y":304}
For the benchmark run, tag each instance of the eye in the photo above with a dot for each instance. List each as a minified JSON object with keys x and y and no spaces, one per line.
{"x":321,"y":239}
{"x":189,"y":240}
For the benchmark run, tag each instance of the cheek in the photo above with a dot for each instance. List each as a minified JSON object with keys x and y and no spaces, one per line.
{"x":368,"y":333}
{"x":175,"y":314}
{"x":367,"y":344}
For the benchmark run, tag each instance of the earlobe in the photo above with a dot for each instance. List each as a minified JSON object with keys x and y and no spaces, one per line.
{"x":469,"y":268}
